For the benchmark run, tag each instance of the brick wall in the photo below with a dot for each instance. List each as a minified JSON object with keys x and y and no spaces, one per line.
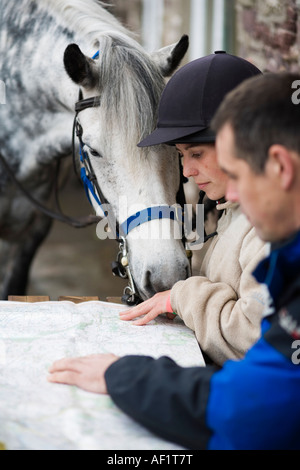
{"x":268,"y":33}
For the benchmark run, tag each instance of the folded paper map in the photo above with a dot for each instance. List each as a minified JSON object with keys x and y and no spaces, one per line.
{"x":38,"y":415}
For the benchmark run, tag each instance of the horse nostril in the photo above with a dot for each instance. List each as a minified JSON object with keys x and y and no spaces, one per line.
{"x":147,"y":279}
{"x":157,"y":280}
{"x":149,"y":286}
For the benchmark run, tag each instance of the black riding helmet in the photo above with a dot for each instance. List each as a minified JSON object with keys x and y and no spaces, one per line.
{"x":192,"y":96}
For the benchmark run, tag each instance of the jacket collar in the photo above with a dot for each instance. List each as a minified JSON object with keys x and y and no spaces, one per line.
{"x":226,"y":205}
{"x":281,"y":267}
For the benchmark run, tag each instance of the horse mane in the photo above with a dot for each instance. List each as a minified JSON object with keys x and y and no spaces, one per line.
{"x":136,"y":82}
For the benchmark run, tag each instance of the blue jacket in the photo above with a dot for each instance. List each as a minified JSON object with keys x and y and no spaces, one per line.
{"x":253,"y":403}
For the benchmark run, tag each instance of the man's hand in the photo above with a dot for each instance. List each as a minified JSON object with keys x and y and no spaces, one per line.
{"x":151,"y":308}
{"x":84,"y":372}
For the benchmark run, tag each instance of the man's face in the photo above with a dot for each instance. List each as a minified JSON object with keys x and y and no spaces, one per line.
{"x":200,"y":163}
{"x":260,"y":196}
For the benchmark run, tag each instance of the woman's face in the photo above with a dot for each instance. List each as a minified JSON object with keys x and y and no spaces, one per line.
{"x":200,"y":163}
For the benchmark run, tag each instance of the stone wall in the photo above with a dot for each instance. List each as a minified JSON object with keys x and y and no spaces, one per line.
{"x":268,"y":33}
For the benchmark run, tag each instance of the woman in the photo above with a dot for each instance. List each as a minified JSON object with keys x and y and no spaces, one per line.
{"x":223,"y":304}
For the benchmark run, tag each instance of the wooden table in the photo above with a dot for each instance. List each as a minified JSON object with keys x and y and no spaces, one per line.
{"x":46,"y":298}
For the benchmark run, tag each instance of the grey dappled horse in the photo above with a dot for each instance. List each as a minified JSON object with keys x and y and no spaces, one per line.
{"x":36,"y":130}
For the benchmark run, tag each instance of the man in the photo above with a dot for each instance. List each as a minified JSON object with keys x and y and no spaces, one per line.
{"x":252,"y":403}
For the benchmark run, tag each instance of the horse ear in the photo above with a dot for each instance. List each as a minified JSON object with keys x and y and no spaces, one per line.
{"x":168,"y":58}
{"x":80,"y":68}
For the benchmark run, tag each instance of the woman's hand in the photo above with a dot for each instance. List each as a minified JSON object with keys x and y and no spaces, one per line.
{"x":151,"y":308}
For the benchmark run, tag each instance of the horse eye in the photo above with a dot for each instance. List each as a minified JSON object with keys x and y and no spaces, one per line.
{"x":94,"y":153}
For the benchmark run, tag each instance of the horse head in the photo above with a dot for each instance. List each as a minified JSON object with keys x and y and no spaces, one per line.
{"x":129,"y":83}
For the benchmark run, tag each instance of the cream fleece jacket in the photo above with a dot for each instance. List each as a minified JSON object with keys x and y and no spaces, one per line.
{"x":224,"y":305}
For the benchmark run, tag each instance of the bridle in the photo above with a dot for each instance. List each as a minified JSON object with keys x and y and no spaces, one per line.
{"x":121,"y":267}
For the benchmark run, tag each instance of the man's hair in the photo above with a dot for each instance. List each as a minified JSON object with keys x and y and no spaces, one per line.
{"x":262,"y":111}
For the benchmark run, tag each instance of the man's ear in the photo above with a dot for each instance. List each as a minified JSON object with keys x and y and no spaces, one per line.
{"x":281,"y":163}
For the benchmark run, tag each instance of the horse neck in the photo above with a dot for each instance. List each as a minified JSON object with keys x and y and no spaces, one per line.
{"x":34,"y":67}
{"x":39,"y":52}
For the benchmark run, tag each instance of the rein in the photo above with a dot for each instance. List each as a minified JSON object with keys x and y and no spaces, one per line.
{"x":77,"y":223}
